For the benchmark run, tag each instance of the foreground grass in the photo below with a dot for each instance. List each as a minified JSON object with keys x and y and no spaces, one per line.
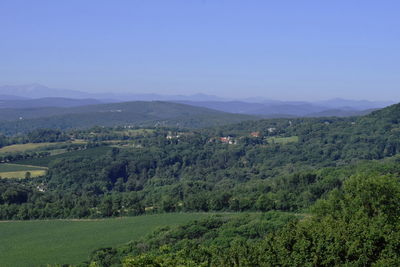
{"x":36,"y":243}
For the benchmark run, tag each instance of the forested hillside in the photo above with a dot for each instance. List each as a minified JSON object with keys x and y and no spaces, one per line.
{"x":204,"y":170}
{"x":357,"y":225}
{"x":14,"y":121}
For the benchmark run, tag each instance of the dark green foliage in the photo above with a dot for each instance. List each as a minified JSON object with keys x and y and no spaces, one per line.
{"x":214,"y":232}
{"x":46,"y":135}
{"x":129,"y":113}
{"x":356,"y":226}
{"x":193,"y":171}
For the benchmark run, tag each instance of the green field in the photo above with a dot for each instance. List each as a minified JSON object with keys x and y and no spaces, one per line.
{"x":22,"y":148}
{"x":80,"y":153}
{"x":8,"y":170}
{"x":25,"y":147}
{"x":283,"y":140}
{"x":33,"y":243}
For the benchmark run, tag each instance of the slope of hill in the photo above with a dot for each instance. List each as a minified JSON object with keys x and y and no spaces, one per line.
{"x":340,"y":113}
{"x":127,"y":113}
{"x":282,"y":109}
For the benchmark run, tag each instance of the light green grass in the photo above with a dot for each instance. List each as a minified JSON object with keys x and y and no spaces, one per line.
{"x":136,"y":132}
{"x":8,"y":167}
{"x":45,"y":161}
{"x":283,"y":140}
{"x":24,"y":147}
{"x":21,"y":174}
{"x":21,"y":148}
{"x":35,"y":243}
{"x":8,"y":170}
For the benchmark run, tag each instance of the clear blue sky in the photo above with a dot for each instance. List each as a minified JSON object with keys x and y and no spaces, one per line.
{"x":293,"y":50}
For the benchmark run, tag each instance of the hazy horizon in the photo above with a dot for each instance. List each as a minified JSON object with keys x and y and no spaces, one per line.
{"x":216,"y":97}
{"x":302,"y":51}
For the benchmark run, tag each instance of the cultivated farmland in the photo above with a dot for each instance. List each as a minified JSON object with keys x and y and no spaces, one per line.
{"x":8,"y":170}
{"x":35,"y":243}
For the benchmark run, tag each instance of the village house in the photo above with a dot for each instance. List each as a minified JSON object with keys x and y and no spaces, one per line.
{"x":227,"y":140}
{"x":255,"y":134}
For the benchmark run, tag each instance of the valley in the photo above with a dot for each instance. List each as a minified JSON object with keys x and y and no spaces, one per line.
{"x":199,"y":133}
{"x":276,"y":168}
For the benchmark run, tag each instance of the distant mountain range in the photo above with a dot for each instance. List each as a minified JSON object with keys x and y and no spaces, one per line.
{"x":41,"y":91}
{"x":35,"y":96}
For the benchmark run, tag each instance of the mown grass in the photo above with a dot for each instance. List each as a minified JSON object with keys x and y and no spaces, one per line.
{"x":24,"y":147}
{"x":8,"y":167}
{"x":283,"y":140}
{"x":45,"y":161}
{"x":8,"y":170}
{"x":21,"y":148}
{"x":22,"y":174}
{"x":37,"y":243}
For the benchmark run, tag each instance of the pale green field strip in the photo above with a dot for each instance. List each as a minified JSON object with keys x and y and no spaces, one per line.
{"x":21,"y":174}
{"x":283,"y":140}
{"x":8,"y":170}
{"x":37,"y":243}
{"x":24,"y":147}
{"x":9,"y":167}
{"x":18,"y":148}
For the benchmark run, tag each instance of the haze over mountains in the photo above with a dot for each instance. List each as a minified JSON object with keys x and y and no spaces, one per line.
{"x":39,"y":96}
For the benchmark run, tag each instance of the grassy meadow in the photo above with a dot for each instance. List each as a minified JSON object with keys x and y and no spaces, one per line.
{"x":36,"y":243}
{"x":25,"y":147}
{"x":283,"y":140}
{"x":8,"y":170}
{"x":28,"y":147}
{"x":44,"y":162}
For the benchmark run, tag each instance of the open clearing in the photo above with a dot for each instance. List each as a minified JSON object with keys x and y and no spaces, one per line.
{"x":22,"y":174}
{"x":283,"y":140}
{"x":24,"y":147}
{"x":36,"y":243}
{"x":45,"y":161}
{"x":8,"y":170}
{"x":21,"y":148}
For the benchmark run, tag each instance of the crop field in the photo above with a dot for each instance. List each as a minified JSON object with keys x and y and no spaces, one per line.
{"x":8,"y":170}
{"x":44,"y":162}
{"x":283,"y":140}
{"x":36,"y":243}
{"x":24,"y":147}
{"x":21,"y":148}
{"x":135,"y":132}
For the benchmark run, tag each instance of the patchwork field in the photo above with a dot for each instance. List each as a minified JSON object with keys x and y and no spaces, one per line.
{"x":24,"y":147}
{"x":8,"y":170}
{"x":34,"y":243}
{"x":44,"y":162}
{"x":21,"y":148}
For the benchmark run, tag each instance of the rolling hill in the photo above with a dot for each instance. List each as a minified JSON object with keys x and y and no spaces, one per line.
{"x":128,"y":113}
